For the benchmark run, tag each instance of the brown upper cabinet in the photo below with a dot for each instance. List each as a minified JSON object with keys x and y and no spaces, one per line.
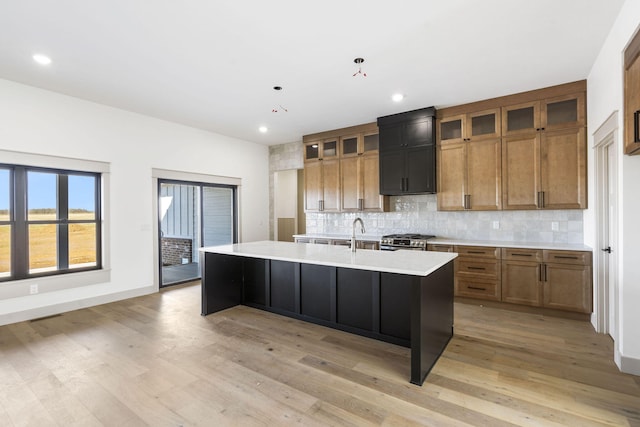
{"x":322,"y":176}
{"x":341,"y":171}
{"x":544,"y":154}
{"x":470,"y":127}
{"x":562,"y":112}
{"x":359,"y":173}
{"x":469,"y":159}
{"x":632,"y":97}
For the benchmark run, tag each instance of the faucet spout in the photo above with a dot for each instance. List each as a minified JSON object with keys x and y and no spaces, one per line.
{"x":353,"y":233}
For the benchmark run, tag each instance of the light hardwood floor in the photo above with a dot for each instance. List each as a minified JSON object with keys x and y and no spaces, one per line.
{"x":155,"y":361}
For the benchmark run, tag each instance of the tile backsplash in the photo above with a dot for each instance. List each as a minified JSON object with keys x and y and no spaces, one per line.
{"x":419,"y":214}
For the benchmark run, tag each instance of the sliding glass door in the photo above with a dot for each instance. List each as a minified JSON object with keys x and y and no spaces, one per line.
{"x":192,"y":215}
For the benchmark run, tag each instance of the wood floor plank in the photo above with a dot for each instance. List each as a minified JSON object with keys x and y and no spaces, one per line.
{"x":154,"y":360}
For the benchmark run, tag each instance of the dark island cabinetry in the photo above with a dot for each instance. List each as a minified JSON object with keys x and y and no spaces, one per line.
{"x":404,"y":309}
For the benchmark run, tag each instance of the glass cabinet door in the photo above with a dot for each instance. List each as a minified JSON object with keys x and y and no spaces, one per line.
{"x":371,"y":143}
{"x":451,"y":129}
{"x":330,"y":148}
{"x":483,"y":125}
{"x":312,"y":151}
{"x":522,"y":118}
{"x":349,"y":146}
{"x":563,"y":112}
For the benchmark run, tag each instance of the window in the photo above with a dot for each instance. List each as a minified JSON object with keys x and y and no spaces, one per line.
{"x":49,"y":222}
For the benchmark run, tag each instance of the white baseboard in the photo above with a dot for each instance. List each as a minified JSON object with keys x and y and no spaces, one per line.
{"x":63,"y":307}
{"x":629,"y":365}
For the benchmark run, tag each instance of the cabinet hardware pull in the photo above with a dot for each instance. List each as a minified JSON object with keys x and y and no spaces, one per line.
{"x":539,"y":272}
{"x":516,"y":254}
{"x":544,"y":268}
{"x":476,"y":288}
{"x":476,"y":252}
{"x":636,"y":126}
{"x":406,"y":180}
{"x":541,"y":128}
{"x":476,"y":268}
{"x":543,"y":202}
{"x":607,"y":249}
{"x":565,"y":257}
{"x":360,"y":204}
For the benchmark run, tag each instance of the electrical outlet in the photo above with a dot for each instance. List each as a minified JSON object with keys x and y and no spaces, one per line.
{"x":496,"y":225}
{"x":554,"y":226}
{"x":33,"y":289}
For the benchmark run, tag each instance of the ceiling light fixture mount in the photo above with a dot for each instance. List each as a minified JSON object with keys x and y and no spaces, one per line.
{"x":359,"y":62}
{"x":279,"y":107}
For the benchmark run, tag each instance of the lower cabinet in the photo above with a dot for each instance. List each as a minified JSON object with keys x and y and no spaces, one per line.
{"x":478,"y":272}
{"x":544,"y":278}
{"x":553,"y":279}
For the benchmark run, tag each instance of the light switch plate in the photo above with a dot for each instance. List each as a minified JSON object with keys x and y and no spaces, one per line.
{"x":554,"y":226}
{"x":496,"y":225}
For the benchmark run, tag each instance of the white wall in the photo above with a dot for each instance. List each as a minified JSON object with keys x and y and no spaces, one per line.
{"x":42,"y":122}
{"x":605,"y":95}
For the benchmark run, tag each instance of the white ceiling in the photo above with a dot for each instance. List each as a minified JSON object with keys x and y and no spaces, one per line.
{"x":213,"y":64}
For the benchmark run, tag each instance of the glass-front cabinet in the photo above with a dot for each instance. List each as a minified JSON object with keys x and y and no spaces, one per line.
{"x":470,"y":127}
{"x":319,"y":150}
{"x":546,"y":115}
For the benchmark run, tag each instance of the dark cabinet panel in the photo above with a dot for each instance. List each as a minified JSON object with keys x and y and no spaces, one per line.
{"x":392,"y":172}
{"x":255,"y":286}
{"x":421,"y":166}
{"x":358,"y":299}
{"x":407,"y":153}
{"x":284,"y":285}
{"x":395,"y":298}
{"x":222,"y":287}
{"x":317,"y":291}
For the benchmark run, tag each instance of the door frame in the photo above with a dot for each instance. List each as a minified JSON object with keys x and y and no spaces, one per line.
{"x":190,"y":178}
{"x":606,"y":294}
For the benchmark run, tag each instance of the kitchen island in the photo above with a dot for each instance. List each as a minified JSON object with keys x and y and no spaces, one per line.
{"x":401,"y":297}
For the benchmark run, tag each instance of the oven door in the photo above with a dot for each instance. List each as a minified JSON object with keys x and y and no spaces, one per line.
{"x":399,"y":248}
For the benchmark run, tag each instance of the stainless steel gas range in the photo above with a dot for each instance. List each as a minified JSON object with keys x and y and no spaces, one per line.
{"x":413,"y":242}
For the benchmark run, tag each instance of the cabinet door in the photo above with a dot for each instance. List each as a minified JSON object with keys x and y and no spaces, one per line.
{"x":451,"y":129}
{"x":392,"y":172}
{"x":391,"y":137}
{"x":349,"y":146}
{"x":563,"y":169}
{"x":370,"y":187}
{"x":312,"y":186}
{"x":484,"y":173}
{"x":418,"y":133}
{"x":483,"y":125}
{"x":452,"y":176}
{"x":521,"y":283}
{"x":521,"y":118}
{"x":421,"y":164}
{"x":350,"y":183}
{"x":520,"y":171}
{"x":331,"y":185}
{"x":312,"y":150}
{"x":563,"y":112}
{"x":568,"y":287}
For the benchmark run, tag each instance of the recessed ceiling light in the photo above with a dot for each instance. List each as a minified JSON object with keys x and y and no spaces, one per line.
{"x":263,"y":129}
{"x":397,"y":97}
{"x":42,"y":59}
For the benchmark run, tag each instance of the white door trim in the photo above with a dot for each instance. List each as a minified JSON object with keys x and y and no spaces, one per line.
{"x":606,"y":138}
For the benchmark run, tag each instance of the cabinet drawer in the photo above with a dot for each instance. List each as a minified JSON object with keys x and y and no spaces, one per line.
{"x":478,"y":251}
{"x":478,"y":268}
{"x":514,"y":254}
{"x":568,"y":257}
{"x":466,"y":287}
{"x":439,"y":248}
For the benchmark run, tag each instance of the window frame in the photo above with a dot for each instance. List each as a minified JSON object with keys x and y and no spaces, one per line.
{"x":19,"y":222}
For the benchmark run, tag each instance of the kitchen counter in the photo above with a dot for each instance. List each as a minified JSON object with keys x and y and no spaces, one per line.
{"x":415,"y":263}
{"x":402,"y":297}
{"x":507,"y":244}
{"x":359,"y":236}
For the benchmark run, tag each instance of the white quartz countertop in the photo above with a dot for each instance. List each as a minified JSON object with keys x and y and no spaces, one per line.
{"x":507,"y":244}
{"x":414,"y":263}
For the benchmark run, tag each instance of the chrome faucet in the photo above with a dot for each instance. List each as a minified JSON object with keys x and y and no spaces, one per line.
{"x":353,"y":234}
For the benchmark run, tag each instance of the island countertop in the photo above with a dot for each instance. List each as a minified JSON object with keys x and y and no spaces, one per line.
{"x":414,"y":263}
